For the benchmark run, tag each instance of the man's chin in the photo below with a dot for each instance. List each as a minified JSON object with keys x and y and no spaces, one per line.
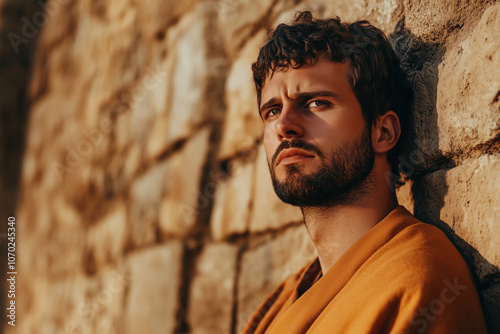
{"x":292,"y":171}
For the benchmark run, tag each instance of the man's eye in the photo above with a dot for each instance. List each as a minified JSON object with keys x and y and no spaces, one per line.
{"x":272,"y":112}
{"x":317,"y":103}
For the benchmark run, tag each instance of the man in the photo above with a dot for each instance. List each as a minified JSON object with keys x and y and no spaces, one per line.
{"x":335,"y":106}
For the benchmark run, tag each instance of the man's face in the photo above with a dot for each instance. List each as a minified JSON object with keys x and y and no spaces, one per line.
{"x":317,"y":143}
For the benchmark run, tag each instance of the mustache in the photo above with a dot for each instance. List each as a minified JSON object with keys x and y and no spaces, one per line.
{"x":295,"y":143}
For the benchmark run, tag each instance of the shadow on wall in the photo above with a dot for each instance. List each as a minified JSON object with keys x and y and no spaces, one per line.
{"x":20,"y":24}
{"x":421,"y":61}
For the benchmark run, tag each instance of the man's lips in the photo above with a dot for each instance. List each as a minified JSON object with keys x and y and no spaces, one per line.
{"x":292,"y":155}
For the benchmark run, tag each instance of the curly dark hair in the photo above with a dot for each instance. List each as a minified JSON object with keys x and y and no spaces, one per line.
{"x":376,"y":77}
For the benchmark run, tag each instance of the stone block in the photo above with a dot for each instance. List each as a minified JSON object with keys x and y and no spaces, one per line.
{"x":158,"y":15}
{"x":54,"y":305}
{"x":466,"y":199}
{"x":469,"y":86}
{"x":106,"y":238}
{"x":105,"y":299}
{"x":211,"y":295}
{"x":146,"y":195}
{"x":384,"y":14}
{"x":233,"y":198}
{"x":237,"y":19}
{"x":190,"y":73}
{"x":74,"y":303}
{"x":153,"y":295}
{"x":130,"y":163}
{"x":183,"y":198}
{"x":430,"y":21}
{"x":137,"y":110}
{"x":242,"y":123}
{"x":148,"y":102}
{"x":264,"y":267}
{"x":67,"y":236}
{"x":158,"y":135}
{"x":99,"y":303}
{"x":268,"y":211}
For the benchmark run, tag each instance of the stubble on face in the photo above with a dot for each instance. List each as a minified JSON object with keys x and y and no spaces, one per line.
{"x":342,"y":177}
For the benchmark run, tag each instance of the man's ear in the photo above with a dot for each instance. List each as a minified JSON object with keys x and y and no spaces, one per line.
{"x":386,"y":132}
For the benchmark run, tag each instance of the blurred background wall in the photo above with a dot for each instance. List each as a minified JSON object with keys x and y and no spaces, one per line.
{"x":144,"y":203}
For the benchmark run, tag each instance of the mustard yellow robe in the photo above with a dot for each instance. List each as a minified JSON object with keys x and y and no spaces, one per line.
{"x":402,"y":276}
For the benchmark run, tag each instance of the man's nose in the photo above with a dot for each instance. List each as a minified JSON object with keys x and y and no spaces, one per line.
{"x":289,"y":124}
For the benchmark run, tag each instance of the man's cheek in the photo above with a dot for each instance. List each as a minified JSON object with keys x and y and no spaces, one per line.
{"x":268,"y":132}
{"x":270,"y":142}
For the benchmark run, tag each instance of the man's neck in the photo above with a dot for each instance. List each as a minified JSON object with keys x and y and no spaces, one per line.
{"x":335,"y":229}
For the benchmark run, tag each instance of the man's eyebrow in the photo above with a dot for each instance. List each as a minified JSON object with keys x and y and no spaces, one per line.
{"x":310,"y":95}
{"x":301,"y":96}
{"x":269,"y":103}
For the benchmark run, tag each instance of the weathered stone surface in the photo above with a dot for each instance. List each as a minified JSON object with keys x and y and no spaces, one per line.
{"x":469,"y":85}
{"x":431,"y":21}
{"x":152,"y":298}
{"x":141,"y":182}
{"x":464,"y":202}
{"x":158,"y":15}
{"x":190,"y":72}
{"x":234,"y":27}
{"x":231,"y":209}
{"x":158,"y":136}
{"x":264,"y":267}
{"x":146,"y":196}
{"x":138,"y":110}
{"x":104,"y":300}
{"x":76,"y":303}
{"x":465,"y":198}
{"x":382,"y":14}
{"x":242,"y":125}
{"x":405,"y":196}
{"x":179,"y":206}
{"x":148,"y":102}
{"x":106,"y":238}
{"x":268,"y":211}
{"x":130,"y":164}
{"x":211,"y":292}
{"x":57,"y":304}
{"x":385,"y":14}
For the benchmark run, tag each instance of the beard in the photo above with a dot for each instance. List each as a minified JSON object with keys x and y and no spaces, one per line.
{"x":341,"y":178}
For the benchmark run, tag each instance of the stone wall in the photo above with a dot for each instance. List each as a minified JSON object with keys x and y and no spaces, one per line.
{"x":146,"y":205}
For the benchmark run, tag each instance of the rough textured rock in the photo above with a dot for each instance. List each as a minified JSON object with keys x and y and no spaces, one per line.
{"x":106,"y":238}
{"x":142,"y":155}
{"x":146,"y":195}
{"x":232,"y":202}
{"x":431,"y":22}
{"x":189,"y":73}
{"x":469,"y":109}
{"x":242,"y":124}
{"x":464,"y":198}
{"x":234,"y":27}
{"x":155,"y":282}
{"x":183,"y":197}
{"x":463,"y":202}
{"x":211,"y":293}
{"x":264,"y":267}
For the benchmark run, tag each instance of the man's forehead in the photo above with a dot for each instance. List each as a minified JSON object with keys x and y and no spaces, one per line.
{"x":319,"y":76}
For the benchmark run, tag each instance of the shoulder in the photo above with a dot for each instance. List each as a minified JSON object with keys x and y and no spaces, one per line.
{"x":420,"y":279}
{"x":419,"y":267}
